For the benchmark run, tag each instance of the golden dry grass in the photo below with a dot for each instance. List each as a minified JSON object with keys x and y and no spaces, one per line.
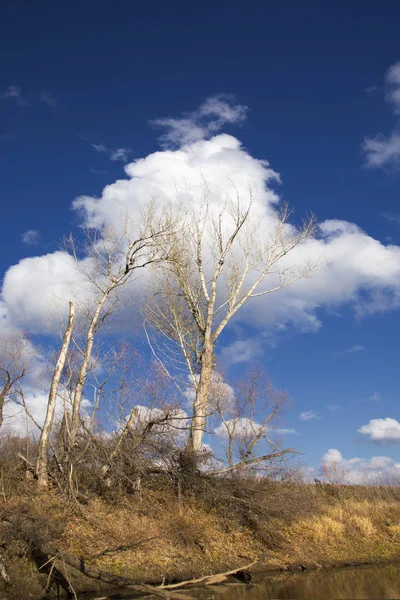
{"x":178,"y":538}
{"x":194,"y":539}
{"x":345,"y":531}
{"x":182,"y":542}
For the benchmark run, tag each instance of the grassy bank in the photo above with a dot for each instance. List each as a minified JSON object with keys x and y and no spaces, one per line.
{"x":166,"y":534}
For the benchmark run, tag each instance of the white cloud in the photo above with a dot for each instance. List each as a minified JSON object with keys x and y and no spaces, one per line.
{"x":384,"y":150}
{"x":120,"y":154}
{"x":393,"y":82}
{"x":382,"y":431}
{"x":356,"y":270}
{"x":375,"y":397}
{"x":13,"y":92}
{"x":113,"y":154}
{"x":240,"y":351}
{"x":30,"y":237}
{"x":36,"y":291}
{"x":209,"y":118}
{"x":361,"y":471}
{"x":239,"y":429}
{"x":16,"y":351}
{"x":309,"y":415}
{"x":221,"y":393}
{"x":351,"y":350}
{"x":243,"y":428}
{"x":175,"y":427}
{"x":99,"y":147}
{"x":332,"y":456}
{"x":16,"y":419}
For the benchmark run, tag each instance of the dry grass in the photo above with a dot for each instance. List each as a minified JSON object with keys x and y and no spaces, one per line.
{"x":363,"y":525}
{"x":171,"y":541}
{"x":325,"y":527}
{"x":213,"y":526}
{"x":345,"y":531}
{"x":394,"y":530}
{"x":195,"y":536}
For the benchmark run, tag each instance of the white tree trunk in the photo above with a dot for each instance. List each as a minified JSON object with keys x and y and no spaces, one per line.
{"x":76,"y":404}
{"x":200,"y":405}
{"x":41,"y":463}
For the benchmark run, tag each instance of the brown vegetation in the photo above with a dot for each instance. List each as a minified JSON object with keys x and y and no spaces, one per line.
{"x":174,"y":528}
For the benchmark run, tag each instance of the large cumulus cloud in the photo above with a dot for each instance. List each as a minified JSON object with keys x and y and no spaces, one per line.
{"x":354,"y":268}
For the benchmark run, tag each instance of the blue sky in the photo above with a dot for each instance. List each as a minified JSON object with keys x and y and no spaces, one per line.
{"x":313,"y":75}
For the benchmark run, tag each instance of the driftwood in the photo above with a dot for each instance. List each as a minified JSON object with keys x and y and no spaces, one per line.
{"x":109,"y":578}
{"x":162,"y":591}
{"x":208,"y":579}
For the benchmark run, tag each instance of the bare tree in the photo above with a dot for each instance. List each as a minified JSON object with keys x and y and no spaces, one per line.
{"x":106,"y":262}
{"x":249,"y":422}
{"x":152,"y":424}
{"x":114,"y":256}
{"x":14,"y":359}
{"x":44,"y":441}
{"x":220,"y":260}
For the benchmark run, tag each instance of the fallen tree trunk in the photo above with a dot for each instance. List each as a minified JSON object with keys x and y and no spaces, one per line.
{"x":115,"y":580}
{"x":208,"y":579}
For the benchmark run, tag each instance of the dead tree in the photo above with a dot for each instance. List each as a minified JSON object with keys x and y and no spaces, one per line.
{"x":108,"y":261}
{"x":220,"y":260}
{"x":44,"y":441}
{"x":249,"y":424}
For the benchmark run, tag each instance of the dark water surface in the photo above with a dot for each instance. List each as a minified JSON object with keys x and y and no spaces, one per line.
{"x":370,"y":582}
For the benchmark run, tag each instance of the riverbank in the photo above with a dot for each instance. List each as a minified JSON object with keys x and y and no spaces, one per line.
{"x":164,"y":535}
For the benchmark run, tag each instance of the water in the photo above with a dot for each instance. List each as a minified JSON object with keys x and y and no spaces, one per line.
{"x":369,"y":582}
